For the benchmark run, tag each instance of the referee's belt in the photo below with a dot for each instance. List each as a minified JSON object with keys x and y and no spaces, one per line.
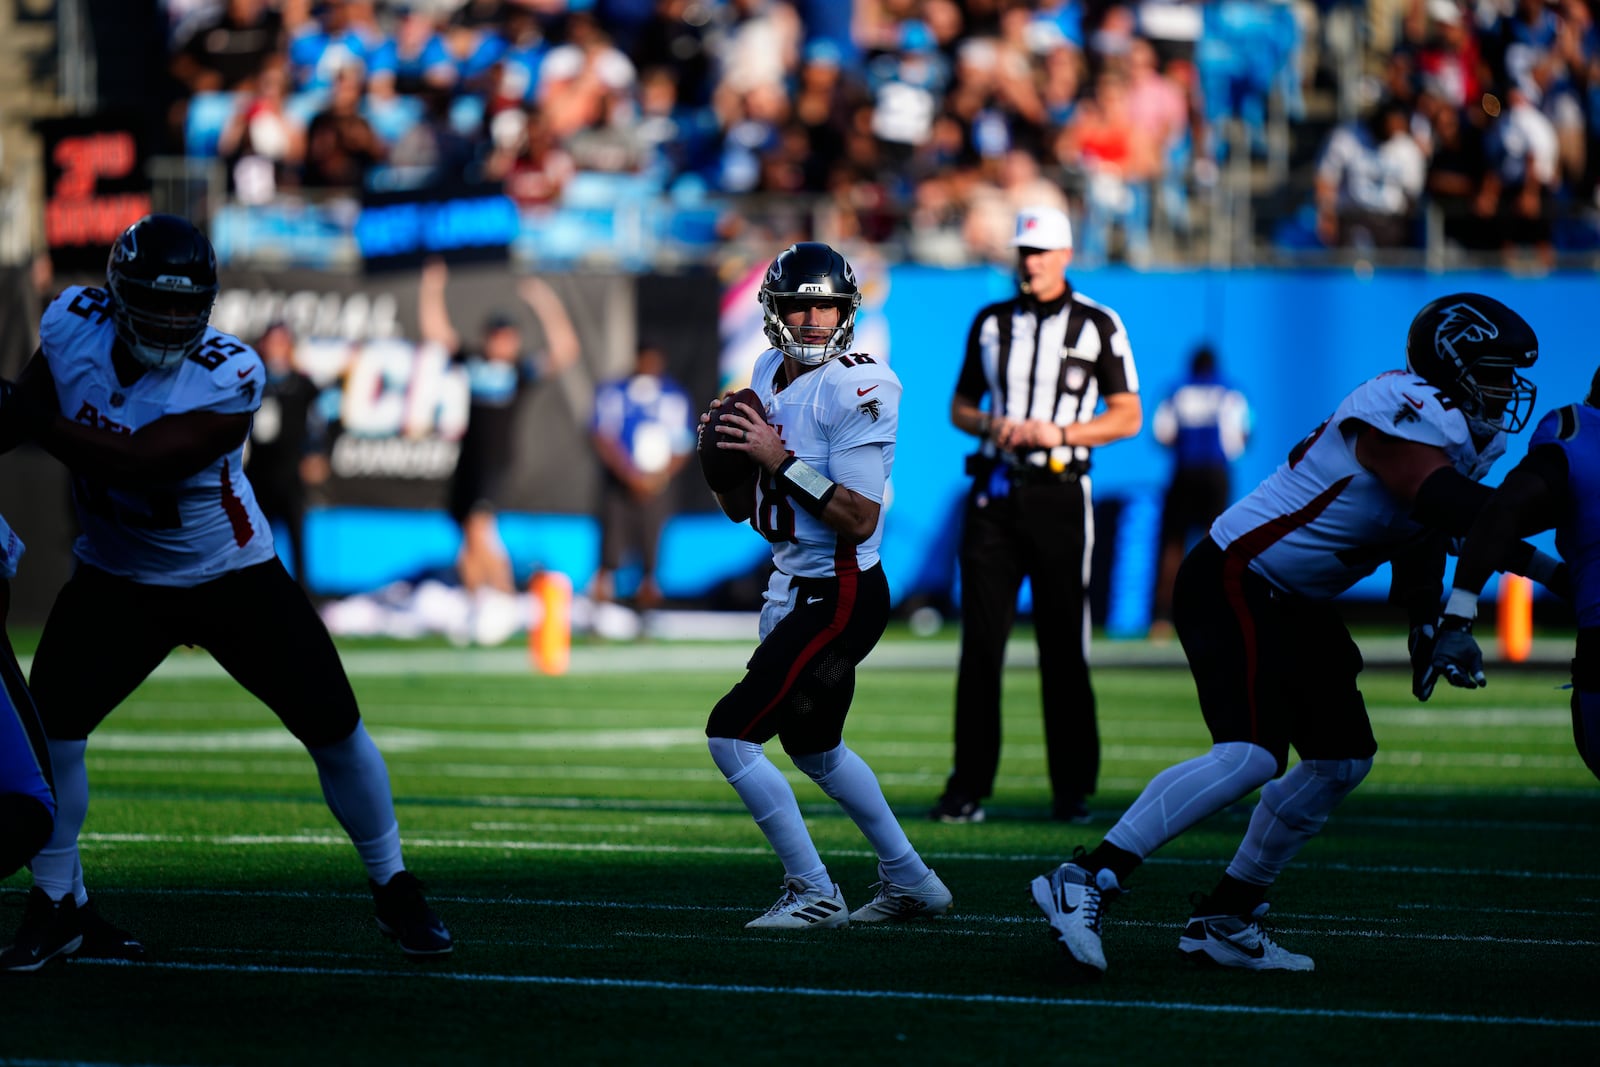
{"x":1028,"y":474}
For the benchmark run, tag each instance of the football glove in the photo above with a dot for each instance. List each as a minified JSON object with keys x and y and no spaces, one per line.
{"x":1420,"y":645}
{"x":1456,"y":655}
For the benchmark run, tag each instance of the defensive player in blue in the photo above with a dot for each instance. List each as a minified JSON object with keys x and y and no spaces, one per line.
{"x":1557,"y":485}
{"x":149,"y":408}
{"x":27,"y":802}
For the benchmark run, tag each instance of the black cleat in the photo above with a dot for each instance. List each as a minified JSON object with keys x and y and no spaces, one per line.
{"x":952,"y":807}
{"x":50,"y":928}
{"x":404,"y":917}
{"x":103,"y":941}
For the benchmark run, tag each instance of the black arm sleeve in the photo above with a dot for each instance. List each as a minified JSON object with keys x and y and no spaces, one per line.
{"x":1417,"y":580}
{"x":1448,"y":501}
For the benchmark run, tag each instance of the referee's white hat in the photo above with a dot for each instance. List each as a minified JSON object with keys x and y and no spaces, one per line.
{"x":1042,"y":227}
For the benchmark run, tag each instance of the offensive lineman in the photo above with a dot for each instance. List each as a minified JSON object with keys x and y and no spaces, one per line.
{"x":1397,"y":464}
{"x":154,"y":408}
{"x":824,"y":447}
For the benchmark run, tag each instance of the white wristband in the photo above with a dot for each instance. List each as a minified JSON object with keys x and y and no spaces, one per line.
{"x":1462,"y":603}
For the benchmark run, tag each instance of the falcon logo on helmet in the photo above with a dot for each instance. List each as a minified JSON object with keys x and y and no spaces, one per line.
{"x":1471,"y":347}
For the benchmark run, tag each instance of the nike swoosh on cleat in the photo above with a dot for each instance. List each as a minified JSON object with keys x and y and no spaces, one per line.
{"x":1256,"y":952}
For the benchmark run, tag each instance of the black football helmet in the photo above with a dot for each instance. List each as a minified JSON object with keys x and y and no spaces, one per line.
{"x":1470,"y":347}
{"x":162,"y":276}
{"x":806,"y":272}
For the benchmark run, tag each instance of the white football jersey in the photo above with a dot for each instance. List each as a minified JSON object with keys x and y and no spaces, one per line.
{"x":1322,"y":521}
{"x":846,"y":402}
{"x":185,"y":532}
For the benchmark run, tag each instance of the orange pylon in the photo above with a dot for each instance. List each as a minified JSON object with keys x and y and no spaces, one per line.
{"x":1514,"y":621}
{"x":550,"y":642}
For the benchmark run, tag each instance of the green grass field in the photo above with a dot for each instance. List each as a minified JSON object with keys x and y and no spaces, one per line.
{"x":597,"y":873}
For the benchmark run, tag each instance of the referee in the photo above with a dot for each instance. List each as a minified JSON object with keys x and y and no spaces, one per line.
{"x":1045,"y":359}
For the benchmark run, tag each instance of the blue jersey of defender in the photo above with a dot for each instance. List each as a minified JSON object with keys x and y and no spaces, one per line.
{"x":1576,"y":431}
{"x":184,"y":532}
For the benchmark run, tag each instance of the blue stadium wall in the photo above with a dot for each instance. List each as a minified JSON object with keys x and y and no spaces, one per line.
{"x":1295,"y":342}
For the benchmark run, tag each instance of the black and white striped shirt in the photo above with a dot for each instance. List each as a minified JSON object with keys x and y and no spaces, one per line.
{"x":1050,"y":360}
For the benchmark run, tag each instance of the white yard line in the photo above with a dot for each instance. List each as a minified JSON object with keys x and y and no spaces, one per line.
{"x":637,"y":985}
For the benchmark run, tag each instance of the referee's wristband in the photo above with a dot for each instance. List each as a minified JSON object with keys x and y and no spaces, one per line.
{"x":805,"y":485}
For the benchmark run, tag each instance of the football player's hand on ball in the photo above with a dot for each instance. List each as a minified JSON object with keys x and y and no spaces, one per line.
{"x":1456,"y":656}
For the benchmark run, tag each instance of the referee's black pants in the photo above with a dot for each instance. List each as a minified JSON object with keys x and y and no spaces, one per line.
{"x":1043,"y":530}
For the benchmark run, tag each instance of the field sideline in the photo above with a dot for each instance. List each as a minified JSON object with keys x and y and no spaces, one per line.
{"x":597,"y":874}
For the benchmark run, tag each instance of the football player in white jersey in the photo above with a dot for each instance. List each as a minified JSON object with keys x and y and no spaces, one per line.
{"x":822,"y":448}
{"x":1392,"y":474}
{"x":149,"y":408}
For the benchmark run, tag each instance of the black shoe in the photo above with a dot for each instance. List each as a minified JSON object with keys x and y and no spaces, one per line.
{"x":1072,"y":810}
{"x":50,"y":928}
{"x":103,"y":941}
{"x":404,"y":917}
{"x":955,"y":808}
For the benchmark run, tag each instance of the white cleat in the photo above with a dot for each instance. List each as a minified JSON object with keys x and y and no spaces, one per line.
{"x":804,"y":907}
{"x":1239,"y":941}
{"x":928,"y":899}
{"x":1072,"y":899}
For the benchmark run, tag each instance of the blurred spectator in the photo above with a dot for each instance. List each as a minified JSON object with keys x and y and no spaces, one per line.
{"x":474,"y":43}
{"x":760,"y":45}
{"x":674,"y":38}
{"x":1447,"y":60}
{"x":345,"y":34}
{"x":415,"y":58}
{"x":993,"y":206}
{"x":643,"y":432}
{"x":585,"y":82}
{"x":1369,"y":179}
{"x":1159,"y":104}
{"x":1520,"y":183}
{"x":1557,"y":99}
{"x":262,"y":144}
{"x":1455,"y":178}
{"x":1172,"y":27}
{"x":824,"y":99}
{"x":432,"y":152}
{"x":341,"y":145}
{"x":500,"y":370}
{"x":527,"y":158}
{"x":229,"y":48}
{"x":287,"y":451}
{"x":1062,"y":84}
{"x":1117,"y":159}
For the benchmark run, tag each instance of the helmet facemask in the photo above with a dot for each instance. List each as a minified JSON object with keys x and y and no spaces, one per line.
{"x":161,"y":323}
{"x":162,"y":277}
{"x":809,"y":344}
{"x":806,"y":274}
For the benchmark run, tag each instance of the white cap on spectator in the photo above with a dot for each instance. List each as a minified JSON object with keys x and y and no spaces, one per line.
{"x":1042,"y":227}
{"x":1445,"y":11}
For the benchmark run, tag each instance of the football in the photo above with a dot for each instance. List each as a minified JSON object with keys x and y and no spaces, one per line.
{"x":725,"y":469}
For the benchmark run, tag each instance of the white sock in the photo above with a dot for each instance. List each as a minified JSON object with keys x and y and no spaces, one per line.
{"x":846,"y":778}
{"x":355,"y":783}
{"x":1188,"y":792}
{"x":56,"y":870}
{"x":772,"y":804}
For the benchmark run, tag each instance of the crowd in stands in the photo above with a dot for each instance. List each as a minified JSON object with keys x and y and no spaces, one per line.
{"x":926,"y":122}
